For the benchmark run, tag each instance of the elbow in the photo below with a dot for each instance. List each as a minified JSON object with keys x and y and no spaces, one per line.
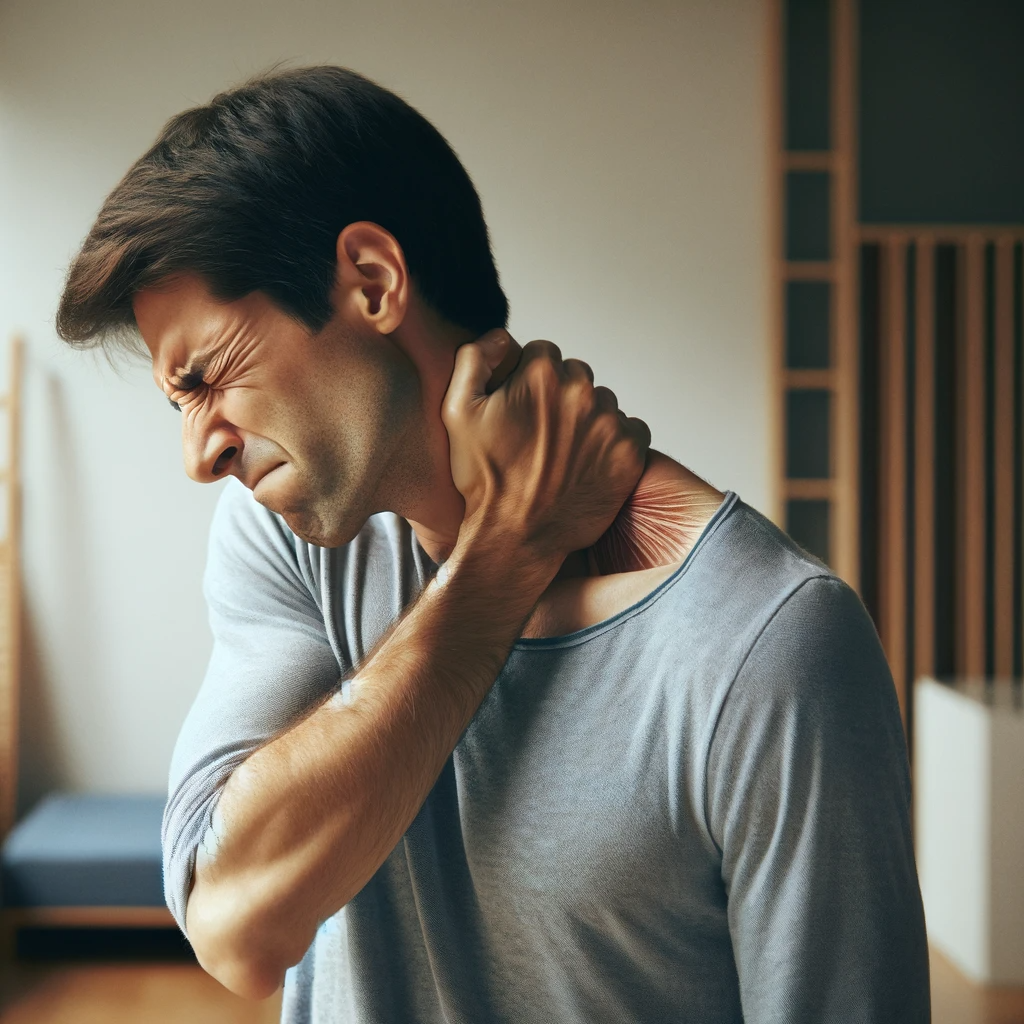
{"x":234,"y":947}
{"x":244,"y":976}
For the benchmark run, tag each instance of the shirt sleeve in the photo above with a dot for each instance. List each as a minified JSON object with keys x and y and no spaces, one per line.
{"x":809,"y":803}
{"x":271,"y":661}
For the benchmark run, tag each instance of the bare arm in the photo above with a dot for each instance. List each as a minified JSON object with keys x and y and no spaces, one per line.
{"x":303,"y":824}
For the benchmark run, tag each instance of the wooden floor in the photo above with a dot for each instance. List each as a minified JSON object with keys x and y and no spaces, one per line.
{"x":137,"y":993}
{"x":956,"y":1001}
{"x":183,"y":994}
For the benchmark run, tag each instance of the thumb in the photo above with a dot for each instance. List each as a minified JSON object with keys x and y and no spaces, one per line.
{"x":474,"y":363}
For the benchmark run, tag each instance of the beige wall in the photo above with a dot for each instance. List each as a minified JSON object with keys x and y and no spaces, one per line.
{"x":620,"y":150}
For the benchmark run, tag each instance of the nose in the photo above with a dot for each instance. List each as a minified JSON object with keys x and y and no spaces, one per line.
{"x":209,"y":451}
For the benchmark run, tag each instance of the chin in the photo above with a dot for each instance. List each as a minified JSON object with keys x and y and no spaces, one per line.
{"x":311,"y":528}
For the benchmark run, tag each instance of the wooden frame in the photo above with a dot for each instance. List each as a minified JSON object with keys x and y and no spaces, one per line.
{"x":89,"y":917}
{"x":846,"y":455}
{"x":906,"y":563}
{"x":840,"y":489}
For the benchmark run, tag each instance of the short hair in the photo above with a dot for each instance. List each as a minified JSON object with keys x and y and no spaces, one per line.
{"x":251,"y":191}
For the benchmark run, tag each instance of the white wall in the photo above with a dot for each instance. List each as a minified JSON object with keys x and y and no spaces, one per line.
{"x":969,"y":825}
{"x":620,"y":150}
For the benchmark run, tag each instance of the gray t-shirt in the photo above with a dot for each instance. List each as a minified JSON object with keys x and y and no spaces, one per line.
{"x":694,"y":811}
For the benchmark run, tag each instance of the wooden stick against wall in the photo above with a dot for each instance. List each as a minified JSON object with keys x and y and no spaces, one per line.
{"x":1003,"y":459}
{"x":893,"y":415}
{"x":924,"y":460}
{"x":970,"y":584}
{"x":10,"y":668}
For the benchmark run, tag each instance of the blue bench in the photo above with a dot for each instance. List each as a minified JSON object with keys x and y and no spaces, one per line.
{"x":86,"y":860}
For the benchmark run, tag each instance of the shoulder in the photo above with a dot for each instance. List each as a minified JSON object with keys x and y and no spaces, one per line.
{"x":813,"y":700}
{"x":748,"y":588}
{"x":252,"y":551}
{"x":819,"y":647}
{"x":808,"y":669}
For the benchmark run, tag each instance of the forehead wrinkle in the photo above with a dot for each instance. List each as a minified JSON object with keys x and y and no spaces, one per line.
{"x":208,"y":334}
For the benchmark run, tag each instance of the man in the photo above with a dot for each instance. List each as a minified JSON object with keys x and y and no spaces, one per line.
{"x":583,"y":764}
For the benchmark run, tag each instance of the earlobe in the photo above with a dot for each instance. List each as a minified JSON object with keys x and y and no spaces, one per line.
{"x":372,"y":275}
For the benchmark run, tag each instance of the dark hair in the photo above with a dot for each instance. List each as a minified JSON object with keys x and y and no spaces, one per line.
{"x":252,"y":190}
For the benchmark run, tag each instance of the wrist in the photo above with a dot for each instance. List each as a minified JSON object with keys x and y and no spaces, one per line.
{"x":500,"y":563}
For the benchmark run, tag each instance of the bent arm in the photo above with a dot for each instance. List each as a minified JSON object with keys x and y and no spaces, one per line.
{"x":809,"y":802}
{"x":305,"y":821}
{"x":544,"y":464}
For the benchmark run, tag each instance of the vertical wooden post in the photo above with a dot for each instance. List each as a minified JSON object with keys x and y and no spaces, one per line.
{"x":10,"y":648}
{"x":776,"y":260}
{"x":924,"y":460}
{"x":1003,"y":458}
{"x":846,"y":450}
{"x":893,"y":416}
{"x":970,"y":584}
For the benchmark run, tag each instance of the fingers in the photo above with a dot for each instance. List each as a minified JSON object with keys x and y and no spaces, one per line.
{"x":541,"y":353}
{"x":475,"y":362}
{"x":640,"y":434}
{"x":508,"y":363}
{"x":578,"y":368}
{"x":604,"y":399}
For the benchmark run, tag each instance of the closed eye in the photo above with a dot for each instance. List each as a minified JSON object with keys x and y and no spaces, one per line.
{"x":188,"y":381}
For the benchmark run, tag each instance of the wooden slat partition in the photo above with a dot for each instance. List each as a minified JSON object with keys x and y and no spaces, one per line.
{"x":893,"y":430}
{"x":985,"y":549}
{"x":1003,"y":441}
{"x":970,"y":580}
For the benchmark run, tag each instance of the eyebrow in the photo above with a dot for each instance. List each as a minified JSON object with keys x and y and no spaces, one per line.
{"x":192,"y":372}
{"x":190,"y":377}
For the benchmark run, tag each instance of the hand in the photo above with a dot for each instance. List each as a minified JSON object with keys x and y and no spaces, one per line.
{"x":546,"y":459}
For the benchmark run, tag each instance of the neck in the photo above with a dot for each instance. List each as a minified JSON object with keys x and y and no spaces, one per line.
{"x":658,"y":525}
{"x":421,"y":488}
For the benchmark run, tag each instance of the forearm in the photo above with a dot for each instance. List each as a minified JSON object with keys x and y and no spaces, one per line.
{"x":307,"y":820}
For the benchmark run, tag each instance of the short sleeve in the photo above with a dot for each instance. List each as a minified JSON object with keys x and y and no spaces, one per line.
{"x":272,"y":660}
{"x":809,"y":802}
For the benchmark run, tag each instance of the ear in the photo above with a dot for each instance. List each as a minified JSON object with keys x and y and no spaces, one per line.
{"x":372,"y":280}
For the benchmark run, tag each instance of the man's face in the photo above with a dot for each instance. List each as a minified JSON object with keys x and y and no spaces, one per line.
{"x":308,"y":422}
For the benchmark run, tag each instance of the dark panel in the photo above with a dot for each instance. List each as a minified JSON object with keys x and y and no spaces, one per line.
{"x":807,"y":522}
{"x":807,"y":215}
{"x":132,"y":944}
{"x":941,"y":131}
{"x":947,"y":312}
{"x":807,"y":325}
{"x":807,"y":434}
{"x":909,"y":489}
{"x":990,"y":460}
{"x":807,"y":52}
{"x":870,"y":455}
{"x":1018,"y":464}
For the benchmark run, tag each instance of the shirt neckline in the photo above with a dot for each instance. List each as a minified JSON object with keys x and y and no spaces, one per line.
{"x":581,"y":636}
